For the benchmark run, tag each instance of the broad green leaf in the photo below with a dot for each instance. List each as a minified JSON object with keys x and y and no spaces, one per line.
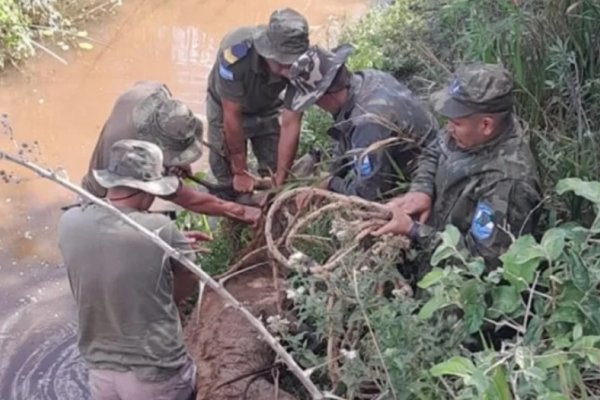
{"x":474,"y":314}
{"x":578,"y":271}
{"x":536,"y":373}
{"x":585,"y":347}
{"x":593,"y":355}
{"x":457,"y":366}
{"x":561,"y":342}
{"x":551,"y":360}
{"x":587,"y":190}
{"x":433,"y":277}
{"x":553,"y":242}
{"x":569,"y":314}
{"x":506,"y":298}
{"x":570,"y":294}
{"x":471,"y":292}
{"x":521,"y":261}
{"x":442,"y":253}
{"x":577,"y":331}
{"x":451,"y":235}
{"x":434,"y":304}
{"x":479,"y":380}
{"x":590,"y":307}
{"x":476,"y":267}
{"x":500,"y":389}
{"x":523,"y":249}
{"x":535,"y":329}
{"x":586,"y":342}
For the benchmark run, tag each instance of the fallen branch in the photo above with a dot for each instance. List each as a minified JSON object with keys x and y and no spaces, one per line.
{"x":302,"y":376}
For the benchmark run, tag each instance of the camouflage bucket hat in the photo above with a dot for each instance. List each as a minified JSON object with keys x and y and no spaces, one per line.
{"x":172,"y":126}
{"x":313,"y":72}
{"x":136,"y":164}
{"x":284,"y":39}
{"x":475,"y":88}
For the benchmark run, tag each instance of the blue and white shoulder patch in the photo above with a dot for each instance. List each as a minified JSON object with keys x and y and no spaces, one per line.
{"x":365,"y":168}
{"x":225,"y":72}
{"x":230,"y":56}
{"x":482,"y":225}
{"x":233,"y":54}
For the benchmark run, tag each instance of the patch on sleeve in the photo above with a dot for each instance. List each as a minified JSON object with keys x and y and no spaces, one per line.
{"x":482,"y":225}
{"x":365,"y":168}
{"x":233,"y":54}
{"x":225,"y":73}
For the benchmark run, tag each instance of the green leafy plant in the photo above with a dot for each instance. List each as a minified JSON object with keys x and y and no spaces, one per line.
{"x":546,"y":293}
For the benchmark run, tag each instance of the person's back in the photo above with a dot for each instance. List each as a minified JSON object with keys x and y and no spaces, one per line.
{"x":123,"y":286}
{"x":129,"y":333}
{"x":118,"y":126}
{"x":385,"y":105}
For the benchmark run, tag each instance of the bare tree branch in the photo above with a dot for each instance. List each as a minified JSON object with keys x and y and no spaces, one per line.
{"x":302,"y":376}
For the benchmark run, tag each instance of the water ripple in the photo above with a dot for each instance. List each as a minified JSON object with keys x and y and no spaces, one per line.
{"x":42,"y":364}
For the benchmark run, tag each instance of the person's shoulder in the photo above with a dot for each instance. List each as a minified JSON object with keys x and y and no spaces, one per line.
{"x":151,"y":220}
{"x":236,"y":46}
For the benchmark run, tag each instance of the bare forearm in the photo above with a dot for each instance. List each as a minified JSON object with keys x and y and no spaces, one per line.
{"x":288,"y":143}
{"x":204,"y":203}
{"x":234,"y":140}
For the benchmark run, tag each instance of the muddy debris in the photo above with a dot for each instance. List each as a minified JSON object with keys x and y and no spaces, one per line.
{"x":226,"y":347}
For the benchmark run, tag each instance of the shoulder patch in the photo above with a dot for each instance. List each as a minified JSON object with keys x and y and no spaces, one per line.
{"x":365,"y":168}
{"x":482,"y":225}
{"x":225,"y":73}
{"x":233,"y":54}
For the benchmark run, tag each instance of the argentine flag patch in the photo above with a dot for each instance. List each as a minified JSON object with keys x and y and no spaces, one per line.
{"x":365,"y":168}
{"x":482,"y":225}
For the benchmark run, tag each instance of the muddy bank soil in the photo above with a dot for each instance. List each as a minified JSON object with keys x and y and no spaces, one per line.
{"x":225,"y":346}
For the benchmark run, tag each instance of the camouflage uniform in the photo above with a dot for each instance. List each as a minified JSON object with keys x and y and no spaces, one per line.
{"x":485,"y":191}
{"x":146,"y":112}
{"x":241,"y":75}
{"x":378,"y":107}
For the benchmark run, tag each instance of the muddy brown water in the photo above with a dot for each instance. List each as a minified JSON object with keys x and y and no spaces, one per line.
{"x":63,"y":107}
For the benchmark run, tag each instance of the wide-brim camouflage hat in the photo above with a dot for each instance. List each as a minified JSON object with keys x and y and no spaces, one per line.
{"x":136,"y":164}
{"x":284,"y":39}
{"x":171,"y":125}
{"x":475,"y":88}
{"x":313,"y":72}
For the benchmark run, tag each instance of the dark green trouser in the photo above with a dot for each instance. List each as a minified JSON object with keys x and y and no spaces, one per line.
{"x":262,"y":131}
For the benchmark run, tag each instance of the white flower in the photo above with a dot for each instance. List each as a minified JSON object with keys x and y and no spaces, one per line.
{"x":348,"y":354}
{"x":301,"y":262}
{"x":276,"y":324}
{"x":402,"y":292}
{"x":293,"y":294}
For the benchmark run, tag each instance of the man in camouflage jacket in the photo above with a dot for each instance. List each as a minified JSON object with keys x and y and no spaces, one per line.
{"x":370,"y":109}
{"x":479,"y":175}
